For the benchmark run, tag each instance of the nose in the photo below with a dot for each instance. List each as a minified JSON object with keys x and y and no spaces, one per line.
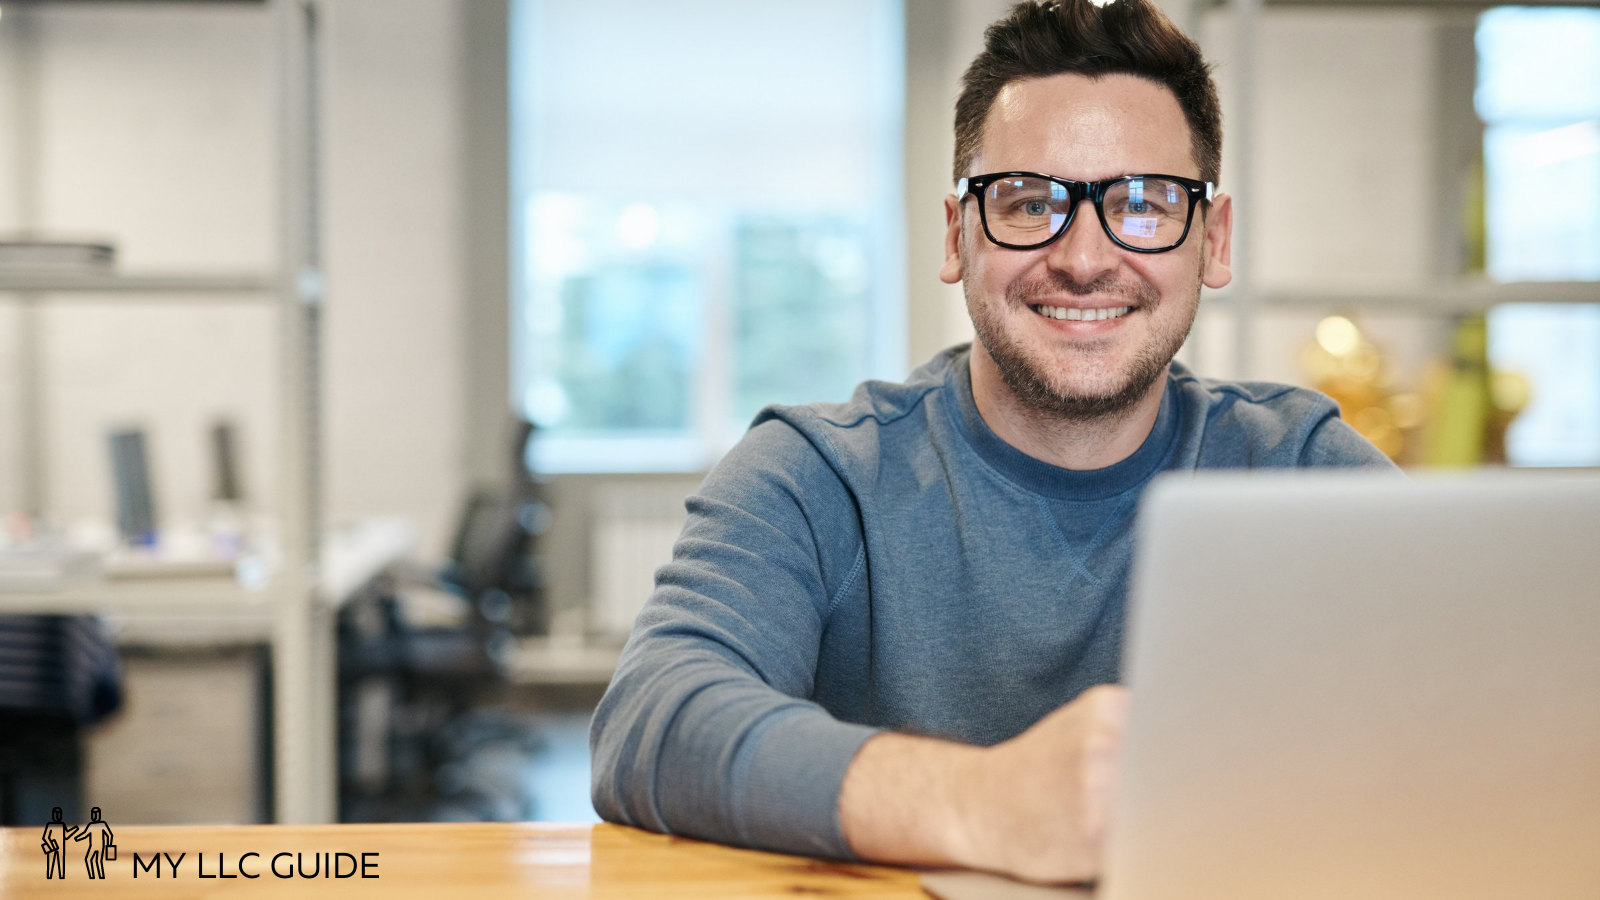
{"x":1085,"y":251}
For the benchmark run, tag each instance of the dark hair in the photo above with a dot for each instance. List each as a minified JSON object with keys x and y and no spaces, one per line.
{"x":1124,"y":37}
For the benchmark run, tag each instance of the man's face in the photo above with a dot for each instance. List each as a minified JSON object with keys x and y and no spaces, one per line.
{"x":1085,"y":130}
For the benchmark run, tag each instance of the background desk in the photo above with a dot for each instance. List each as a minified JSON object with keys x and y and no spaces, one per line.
{"x":220,"y":610}
{"x":433,"y":861}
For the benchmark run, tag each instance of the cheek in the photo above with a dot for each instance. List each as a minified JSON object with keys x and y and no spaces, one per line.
{"x":1174,"y":276}
{"x":979,"y":266}
{"x":995,"y":270}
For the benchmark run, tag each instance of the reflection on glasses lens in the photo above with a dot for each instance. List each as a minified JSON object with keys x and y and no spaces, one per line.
{"x":1146,"y":212}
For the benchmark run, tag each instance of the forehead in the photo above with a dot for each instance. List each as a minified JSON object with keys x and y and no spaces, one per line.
{"x":1086,"y":128}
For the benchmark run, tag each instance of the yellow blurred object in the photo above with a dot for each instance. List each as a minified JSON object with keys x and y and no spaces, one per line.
{"x":1509,"y":393}
{"x":1408,"y":409}
{"x":1474,"y":221}
{"x":1351,"y":369}
{"x":1338,"y":335}
{"x":1458,"y":418}
{"x":1469,"y":407}
{"x":1460,"y":401}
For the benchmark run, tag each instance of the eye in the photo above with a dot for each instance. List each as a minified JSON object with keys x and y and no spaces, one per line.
{"x":1138,"y":207}
{"x":1035,"y":207}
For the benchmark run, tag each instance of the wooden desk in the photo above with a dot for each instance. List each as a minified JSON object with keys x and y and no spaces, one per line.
{"x":437,"y":861}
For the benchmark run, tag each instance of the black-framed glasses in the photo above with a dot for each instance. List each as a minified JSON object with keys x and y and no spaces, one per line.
{"x":1142,"y":213}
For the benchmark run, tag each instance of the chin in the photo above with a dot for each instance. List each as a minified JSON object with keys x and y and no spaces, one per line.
{"x":1103,"y":395}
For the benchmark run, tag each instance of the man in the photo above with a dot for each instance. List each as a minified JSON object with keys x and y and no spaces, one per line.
{"x":891,"y":628}
{"x":54,"y":842}
{"x":99,"y":836}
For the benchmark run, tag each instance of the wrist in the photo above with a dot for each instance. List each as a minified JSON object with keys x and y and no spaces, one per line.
{"x":913,"y":801}
{"x":967,"y":803}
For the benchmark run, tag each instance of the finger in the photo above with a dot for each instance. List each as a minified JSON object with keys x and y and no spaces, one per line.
{"x":1110,"y":705}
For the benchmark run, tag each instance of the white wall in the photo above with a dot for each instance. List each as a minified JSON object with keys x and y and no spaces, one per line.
{"x":157,"y":129}
{"x":1341,"y":193}
{"x":395,"y":264}
{"x":942,"y":37}
{"x":1343,"y":145}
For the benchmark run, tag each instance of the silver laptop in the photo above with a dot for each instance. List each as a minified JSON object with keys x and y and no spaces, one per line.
{"x":1350,"y":685}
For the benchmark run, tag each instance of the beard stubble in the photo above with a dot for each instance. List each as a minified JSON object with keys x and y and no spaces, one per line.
{"x":1029,"y":377}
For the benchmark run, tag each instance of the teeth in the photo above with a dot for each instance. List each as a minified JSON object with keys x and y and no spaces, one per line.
{"x":1074,"y":314}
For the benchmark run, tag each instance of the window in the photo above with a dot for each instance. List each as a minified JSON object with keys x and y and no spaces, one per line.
{"x":708,"y":209}
{"x":1539,"y":97}
{"x":1538,"y":94}
{"x":1557,"y":348}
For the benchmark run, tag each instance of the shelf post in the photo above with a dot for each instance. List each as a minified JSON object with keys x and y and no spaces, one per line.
{"x":1245,"y":20}
{"x":303,"y":677}
{"x":21,"y":33}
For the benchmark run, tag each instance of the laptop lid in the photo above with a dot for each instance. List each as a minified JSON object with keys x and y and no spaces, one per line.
{"x":1349,"y":685}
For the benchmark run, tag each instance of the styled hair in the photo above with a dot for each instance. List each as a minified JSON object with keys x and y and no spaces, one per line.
{"x":1124,"y":37}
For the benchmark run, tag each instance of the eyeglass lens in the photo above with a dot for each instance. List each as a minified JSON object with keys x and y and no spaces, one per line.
{"x":1147,"y":213}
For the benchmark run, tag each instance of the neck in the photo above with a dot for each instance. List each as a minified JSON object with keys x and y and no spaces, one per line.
{"x":1071,"y":443}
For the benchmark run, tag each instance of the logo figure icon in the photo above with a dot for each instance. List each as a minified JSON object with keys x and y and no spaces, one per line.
{"x":98,"y":834}
{"x":54,"y":843}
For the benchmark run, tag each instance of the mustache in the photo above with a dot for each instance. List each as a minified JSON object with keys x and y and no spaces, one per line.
{"x":1033,"y":290}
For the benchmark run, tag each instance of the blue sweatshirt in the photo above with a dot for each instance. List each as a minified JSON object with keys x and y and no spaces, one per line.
{"x":891,"y":563}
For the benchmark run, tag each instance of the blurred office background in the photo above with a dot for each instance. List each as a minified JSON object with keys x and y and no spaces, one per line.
{"x":630,"y":225}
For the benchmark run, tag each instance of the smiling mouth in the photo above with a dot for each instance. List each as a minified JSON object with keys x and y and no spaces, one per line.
{"x":1078,"y":314}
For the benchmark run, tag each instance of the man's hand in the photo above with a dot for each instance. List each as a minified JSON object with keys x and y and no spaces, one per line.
{"x":1040,"y":807}
{"x":1036,"y":807}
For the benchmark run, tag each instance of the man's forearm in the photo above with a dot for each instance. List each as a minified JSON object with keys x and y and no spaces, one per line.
{"x":902,"y":801}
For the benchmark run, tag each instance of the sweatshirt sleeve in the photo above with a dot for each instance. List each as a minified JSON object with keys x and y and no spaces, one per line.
{"x":707,"y":728}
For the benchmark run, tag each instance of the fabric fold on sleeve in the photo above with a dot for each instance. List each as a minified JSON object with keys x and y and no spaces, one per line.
{"x":787,"y":783}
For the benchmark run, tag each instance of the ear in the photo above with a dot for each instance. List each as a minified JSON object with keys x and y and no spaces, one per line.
{"x":1215,"y":268}
{"x":950,"y":272}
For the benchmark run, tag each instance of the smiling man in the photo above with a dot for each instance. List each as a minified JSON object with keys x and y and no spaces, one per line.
{"x":891,"y":628}
{"x":1076,"y":326}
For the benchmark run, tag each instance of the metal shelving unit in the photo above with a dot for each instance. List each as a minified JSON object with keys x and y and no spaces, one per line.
{"x":231,"y":286}
{"x":292,"y":612}
{"x":1456,"y":298}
